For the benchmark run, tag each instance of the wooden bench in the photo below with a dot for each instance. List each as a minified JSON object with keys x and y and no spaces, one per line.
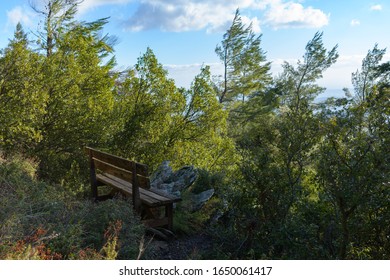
{"x":132,"y":180}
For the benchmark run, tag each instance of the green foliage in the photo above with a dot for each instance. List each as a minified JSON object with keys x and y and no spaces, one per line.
{"x":161,"y":122}
{"x":354,"y":171}
{"x":69,"y":226}
{"x":276,"y":142}
{"x":245,"y":70}
{"x":22,"y":102}
{"x":293,"y":179}
{"x":80,"y":98}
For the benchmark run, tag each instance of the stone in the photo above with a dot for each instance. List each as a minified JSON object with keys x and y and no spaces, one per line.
{"x":172,"y":183}
{"x":183,"y":178}
{"x":198,"y":200}
{"x":162,"y":174}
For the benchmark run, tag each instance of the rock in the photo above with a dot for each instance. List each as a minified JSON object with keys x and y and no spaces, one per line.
{"x":162,"y":174}
{"x":198,"y":200}
{"x":173,"y":183}
{"x":167,"y":188}
{"x":183,"y":178}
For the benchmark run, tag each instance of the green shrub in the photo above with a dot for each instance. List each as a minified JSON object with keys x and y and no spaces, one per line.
{"x":74,"y":228}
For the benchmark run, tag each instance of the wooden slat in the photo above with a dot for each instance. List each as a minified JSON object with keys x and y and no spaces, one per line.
{"x":107,"y":181}
{"x":151,"y":197}
{"x":114,"y":170}
{"x":147,"y":197}
{"x":173,"y":198}
{"x":144,"y":182}
{"x":126,"y":164}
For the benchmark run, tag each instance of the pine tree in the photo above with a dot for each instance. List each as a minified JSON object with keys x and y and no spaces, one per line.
{"x":21,"y":101}
{"x":79,"y":85}
{"x":246,"y":71}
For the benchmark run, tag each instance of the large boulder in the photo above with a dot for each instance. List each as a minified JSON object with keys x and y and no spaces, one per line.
{"x":173,"y":183}
{"x":198,"y":200}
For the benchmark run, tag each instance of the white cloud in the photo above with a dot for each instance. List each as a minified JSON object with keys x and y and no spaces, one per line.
{"x":184,"y":74}
{"x":256,"y":27}
{"x":355,"y":22}
{"x":214,"y":15}
{"x":20,"y":14}
{"x":294,"y":15}
{"x":185,"y":15}
{"x":376,"y":8}
{"x":90,"y":4}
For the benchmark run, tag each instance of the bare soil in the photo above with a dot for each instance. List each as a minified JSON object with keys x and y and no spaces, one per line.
{"x":179,"y":248}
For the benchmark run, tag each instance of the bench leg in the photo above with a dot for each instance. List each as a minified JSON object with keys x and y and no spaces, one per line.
{"x":94,"y":191}
{"x":169,"y":215}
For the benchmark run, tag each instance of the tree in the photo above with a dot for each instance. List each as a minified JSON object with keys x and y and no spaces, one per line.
{"x":203,"y":127}
{"x":79,"y":86}
{"x":21,"y":101}
{"x":364,"y":80}
{"x":58,"y":17}
{"x":245,"y":69}
{"x":146,"y":99}
{"x":160,"y":122}
{"x":353,"y":167}
{"x":276,"y":147}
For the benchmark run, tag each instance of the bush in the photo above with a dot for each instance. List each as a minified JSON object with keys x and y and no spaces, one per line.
{"x":68,"y":227}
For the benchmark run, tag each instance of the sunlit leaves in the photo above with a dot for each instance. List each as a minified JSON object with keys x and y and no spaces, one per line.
{"x":160,"y":122}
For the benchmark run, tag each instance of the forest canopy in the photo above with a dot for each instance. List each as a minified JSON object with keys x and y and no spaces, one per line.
{"x":293,"y":177}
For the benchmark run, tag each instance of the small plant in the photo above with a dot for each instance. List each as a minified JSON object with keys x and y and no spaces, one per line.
{"x":110,"y":249}
{"x":31,"y":248}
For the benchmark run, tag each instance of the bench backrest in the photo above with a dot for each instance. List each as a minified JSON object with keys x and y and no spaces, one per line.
{"x":119,"y":167}
{"x":130,"y":171}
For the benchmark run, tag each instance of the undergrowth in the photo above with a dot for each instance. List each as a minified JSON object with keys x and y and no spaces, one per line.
{"x":41,"y":221}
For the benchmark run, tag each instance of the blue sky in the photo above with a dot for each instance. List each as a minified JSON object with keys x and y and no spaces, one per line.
{"x":184,"y":33}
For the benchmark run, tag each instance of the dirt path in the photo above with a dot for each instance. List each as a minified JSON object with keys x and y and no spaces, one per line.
{"x":182,"y":248}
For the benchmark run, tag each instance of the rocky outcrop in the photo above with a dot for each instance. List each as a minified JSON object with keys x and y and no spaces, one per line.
{"x":198,"y":200}
{"x":175,"y":182}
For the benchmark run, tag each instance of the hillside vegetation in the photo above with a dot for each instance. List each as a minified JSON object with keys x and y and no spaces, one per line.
{"x":293,"y":178}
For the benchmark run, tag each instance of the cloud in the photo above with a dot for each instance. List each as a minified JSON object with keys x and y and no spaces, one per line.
{"x":355,"y":22}
{"x":20,"y":14}
{"x":186,"y":15}
{"x":254,"y":21}
{"x":213,"y":15}
{"x":91,"y":4}
{"x":376,"y":8}
{"x":294,"y":15}
{"x":184,"y":74}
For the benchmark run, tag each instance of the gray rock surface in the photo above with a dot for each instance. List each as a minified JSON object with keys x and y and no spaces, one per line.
{"x":174,"y":183}
{"x":162,"y":174}
{"x":198,"y":200}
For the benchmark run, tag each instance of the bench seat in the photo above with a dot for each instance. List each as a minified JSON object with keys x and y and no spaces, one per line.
{"x":132,"y":180}
{"x":151,"y":198}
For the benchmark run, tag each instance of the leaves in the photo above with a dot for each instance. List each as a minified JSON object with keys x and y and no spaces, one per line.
{"x":245,"y":70}
{"x":300,"y":179}
{"x":161,"y":122}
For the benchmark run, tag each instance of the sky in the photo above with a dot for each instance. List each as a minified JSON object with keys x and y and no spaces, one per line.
{"x":183,"y":34}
